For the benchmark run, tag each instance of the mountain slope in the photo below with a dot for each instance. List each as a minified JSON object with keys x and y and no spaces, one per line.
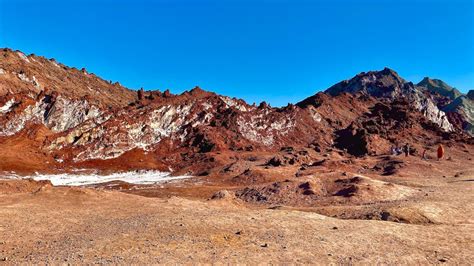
{"x":33,"y":74}
{"x":463,"y":107}
{"x":76,"y":120}
{"x":470,"y":95}
{"x":387,"y":85}
{"x":458,"y":107}
{"x":440,"y":87}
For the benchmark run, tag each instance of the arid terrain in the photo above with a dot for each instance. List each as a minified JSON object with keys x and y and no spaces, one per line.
{"x":423,"y":214}
{"x":319,"y":181}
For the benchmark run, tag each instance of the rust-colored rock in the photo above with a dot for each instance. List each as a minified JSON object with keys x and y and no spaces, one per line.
{"x":92,"y":123}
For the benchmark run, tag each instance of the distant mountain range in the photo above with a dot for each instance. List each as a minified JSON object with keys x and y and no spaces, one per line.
{"x":57,"y":118}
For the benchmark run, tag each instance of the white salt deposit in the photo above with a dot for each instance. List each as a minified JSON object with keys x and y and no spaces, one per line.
{"x":137,"y":177}
{"x":8,"y":105}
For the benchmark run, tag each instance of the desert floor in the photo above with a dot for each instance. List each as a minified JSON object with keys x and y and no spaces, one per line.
{"x":434,"y":224}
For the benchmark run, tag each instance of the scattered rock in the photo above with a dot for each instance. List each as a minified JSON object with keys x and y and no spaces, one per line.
{"x":251,"y":194}
{"x":308,"y":188}
{"x":288,"y":149}
{"x":140,"y":94}
{"x":347,"y":191}
{"x":389,"y":165}
{"x":222,"y":194}
{"x":384,"y":215}
{"x":275,"y":161}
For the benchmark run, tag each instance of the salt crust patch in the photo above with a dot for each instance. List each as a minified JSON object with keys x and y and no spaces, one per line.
{"x":136,"y":177}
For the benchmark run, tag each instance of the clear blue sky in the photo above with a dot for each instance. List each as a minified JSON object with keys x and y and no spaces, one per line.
{"x":278,"y":51}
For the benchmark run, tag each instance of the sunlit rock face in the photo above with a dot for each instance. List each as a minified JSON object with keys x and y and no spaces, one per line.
{"x":461,"y":110}
{"x":58,"y":114}
{"x":110,"y":135}
{"x":84,"y":118}
{"x":386,"y":84}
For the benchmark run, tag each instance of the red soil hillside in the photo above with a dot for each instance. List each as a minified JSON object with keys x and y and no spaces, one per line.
{"x":88,"y":122}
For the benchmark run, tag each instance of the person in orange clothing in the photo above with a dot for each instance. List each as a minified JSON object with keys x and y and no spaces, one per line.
{"x":440,"y":152}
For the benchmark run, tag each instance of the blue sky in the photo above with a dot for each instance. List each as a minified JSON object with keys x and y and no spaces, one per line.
{"x":278,"y":51}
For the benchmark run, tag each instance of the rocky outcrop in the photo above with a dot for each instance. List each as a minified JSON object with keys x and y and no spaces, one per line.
{"x":387,"y":85}
{"x":57,"y":113}
{"x":83,"y":123}
{"x":30,"y":74}
{"x":431,"y":111}
{"x":462,"y":109}
{"x":470,"y":95}
{"x":439,"y":87}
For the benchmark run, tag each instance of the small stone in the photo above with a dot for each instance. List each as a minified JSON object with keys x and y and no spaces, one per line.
{"x":334,"y":228}
{"x":222,"y":194}
{"x":264,"y":245}
{"x":384,"y":215}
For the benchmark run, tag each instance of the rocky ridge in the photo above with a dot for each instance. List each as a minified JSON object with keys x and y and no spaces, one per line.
{"x":87,"y":121}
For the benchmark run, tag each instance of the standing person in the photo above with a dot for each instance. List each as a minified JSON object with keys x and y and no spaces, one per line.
{"x":399,"y":150}
{"x":406,"y":149}
{"x":393,"y":150}
{"x":423,"y":155}
{"x":440,"y":152}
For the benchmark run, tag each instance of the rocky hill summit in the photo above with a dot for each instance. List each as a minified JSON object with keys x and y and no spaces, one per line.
{"x":385,"y":83}
{"x":56,"y":118}
{"x":440,"y":87}
{"x":387,"y":86}
{"x":32,"y":74}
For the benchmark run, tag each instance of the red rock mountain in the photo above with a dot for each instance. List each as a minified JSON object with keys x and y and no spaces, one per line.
{"x":55,"y":118}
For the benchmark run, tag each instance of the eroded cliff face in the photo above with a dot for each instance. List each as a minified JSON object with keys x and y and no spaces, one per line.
{"x":459,"y":108}
{"x":427,"y":107}
{"x":89,"y":132}
{"x":370,"y":111}
{"x":58,"y":114}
